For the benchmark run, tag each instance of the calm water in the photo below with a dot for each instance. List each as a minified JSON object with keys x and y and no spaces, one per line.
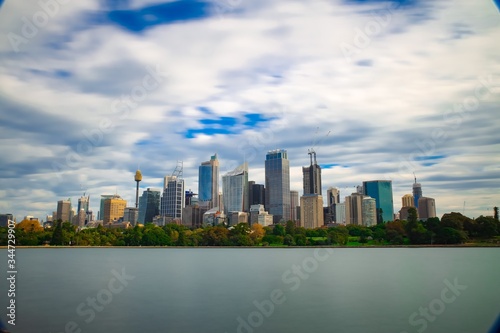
{"x":255,"y":290}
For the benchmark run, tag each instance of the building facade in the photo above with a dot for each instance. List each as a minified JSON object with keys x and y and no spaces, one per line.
{"x":381,"y":191}
{"x":311,"y":211}
{"x":277,"y":185}
{"x":407,"y":201}
{"x":173,"y":199}
{"x":208,"y":183}
{"x":354,"y":209}
{"x":235,"y":190}
{"x":294,"y":203}
{"x":149,"y":205}
{"x":114,"y":209}
{"x":426,"y":208}
{"x":64,"y":211}
{"x":369,"y":211}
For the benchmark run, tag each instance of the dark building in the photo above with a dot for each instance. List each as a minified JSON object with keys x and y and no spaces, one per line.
{"x":257,"y":194}
{"x":4,"y":219}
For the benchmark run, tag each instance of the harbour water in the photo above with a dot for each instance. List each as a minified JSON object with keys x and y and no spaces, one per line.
{"x":118,"y":290}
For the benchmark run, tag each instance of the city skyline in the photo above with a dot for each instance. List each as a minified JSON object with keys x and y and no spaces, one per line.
{"x":380,"y":90}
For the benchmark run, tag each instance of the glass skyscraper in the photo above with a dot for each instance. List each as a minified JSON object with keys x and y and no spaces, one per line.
{"x":235,"y":190}
{"x":277,"y":173}
{"x":173,"y":200}
{"x":149,"y":205}
{"x":208,"y":183}
{"x":381,"y":191}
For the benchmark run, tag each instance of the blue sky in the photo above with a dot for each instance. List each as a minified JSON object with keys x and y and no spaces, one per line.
{"x":91,"y":90}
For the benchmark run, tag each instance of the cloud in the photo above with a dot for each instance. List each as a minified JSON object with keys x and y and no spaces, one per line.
{"x":244,"y":79}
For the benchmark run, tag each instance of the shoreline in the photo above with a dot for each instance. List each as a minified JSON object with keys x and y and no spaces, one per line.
{"x":260,"y":247}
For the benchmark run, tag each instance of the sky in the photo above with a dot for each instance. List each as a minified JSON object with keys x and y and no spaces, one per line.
{"x":92,"y":90}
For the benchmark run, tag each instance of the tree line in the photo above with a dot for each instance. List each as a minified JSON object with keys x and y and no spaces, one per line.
{"x":452,"y":228}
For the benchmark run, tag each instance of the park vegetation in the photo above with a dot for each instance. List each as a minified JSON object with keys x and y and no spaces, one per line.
{"x":452,"y":228}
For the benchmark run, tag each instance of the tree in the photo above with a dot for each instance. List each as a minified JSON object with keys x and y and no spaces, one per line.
{"x":289,"y":240}
{"x":448,"y":235}
{"x":257,"y":232}
{"x":29,"y":226}
{"x":57,"y":235}
{"x":279,"y":230}
{"x":290,"y":228}
{"x":487,"y":227}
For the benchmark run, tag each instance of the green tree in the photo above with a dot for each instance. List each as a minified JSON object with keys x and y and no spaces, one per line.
{"x":279,"y":230}
{"x":290,"y":228}
{"x":487,"y":227}
{"x":289,"y":240}
{"x":57,"y":235}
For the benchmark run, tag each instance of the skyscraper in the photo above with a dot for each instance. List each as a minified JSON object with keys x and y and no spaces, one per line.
{"x":417,"y":193}
{"x":294,"y":203}
{"x":64,"y":211}
{"x":407,"y":201}
{"x":83,"y":203}
{"x":101,"y":206}
{"x":426,"y":208}
{"x":208,"y":183}
{"x":256,"y":194}
{"x":369,"y":211}
{"x":333,"y":196}
{"x":354,"y":209}
{"x":4,"y":219}
{"x":277,"y":184}
{"x":235,"y":190}
{"x":149,"y":205}
{"x":173,"y":199}
{"x":114,"y":209}
{"x":381,"y":191}
{"x":312,"y":176}
{"x":311,"y":211}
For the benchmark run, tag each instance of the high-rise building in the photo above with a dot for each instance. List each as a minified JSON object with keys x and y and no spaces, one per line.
{"x":294,"y":203}
{"x":277,"y":184}
{"x":311,"y":211}
{"x":114,"y":209}
{"x":4,"y":219}
{"x":64,"y":211}
{"x":426,"y":208}
{"x":208,"y":183}
{"x":173,"y":200}
{"x":235,"y":191}
{"x":101,"y":206}
{"x":407,"y":201}
{"x":256,"y":194}
{"x":149,"y":205}
{"x":131,"y":214}
{"x":417,"y":193}
{"x":332,"y":199}
{"x":354,"y":209}
{"x":312,"y":176}
{"x":339,"y":213}
{"x":381,"y":191}
{"x":83,"y":203}
{"x":369,"y":211}
{"x":311,"y":203}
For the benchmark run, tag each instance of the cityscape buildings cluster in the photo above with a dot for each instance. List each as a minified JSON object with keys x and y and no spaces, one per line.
{"x":244,"y":201}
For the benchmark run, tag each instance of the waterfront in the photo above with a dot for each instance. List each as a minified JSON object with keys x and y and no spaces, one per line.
{"x":256,"y":290}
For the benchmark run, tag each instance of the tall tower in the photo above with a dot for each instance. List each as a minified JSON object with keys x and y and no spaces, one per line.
{"x":381,"y":191}
{"x":277,"y":185}
{"x":208,"y":183}
{"x":235,"y":191}
{"x":311,"y":203}
{"x":417,"y":192}
{"x":312,"y":176}
{"x":138,"y":178}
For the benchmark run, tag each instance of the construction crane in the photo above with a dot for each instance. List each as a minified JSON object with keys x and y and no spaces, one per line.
{"x":178,"y":170}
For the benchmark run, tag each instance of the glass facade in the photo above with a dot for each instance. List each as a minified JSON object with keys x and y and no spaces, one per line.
{"x":277,"y":174}
{"x":173,"y":198}
{"x":208,"y":182}
{"x":149,"y":205}
{"x":381,"y":191}
{"x":235,"y":190}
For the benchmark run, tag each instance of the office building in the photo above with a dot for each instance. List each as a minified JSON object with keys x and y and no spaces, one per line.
{"x":114,"y":209}
{"x":417,"y":193}
{"x":311,"y":211}
{"x":407,"y":201}
{"x":149,"y":205}
{"x":332,"y":199}
{"x":131,"y":214}
{"x":381,"y":191}
{"x":64,"y":211}
{"x":235,"y":190}
{"x":312,"y":176}
{"x":369,"y":211}
{"x":4,"y":219}
{"x":426,"y":208}
{"x":277,"y":184}
{"x":354,"y":209}
{"x":100,"y":215}
{"x":192,"y":216}
{"x":339,"y":210}
{"x":173,"y":199}
{"x":294,"y":203}
{"x":208,"y":183}
{"x":256,"y":194}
